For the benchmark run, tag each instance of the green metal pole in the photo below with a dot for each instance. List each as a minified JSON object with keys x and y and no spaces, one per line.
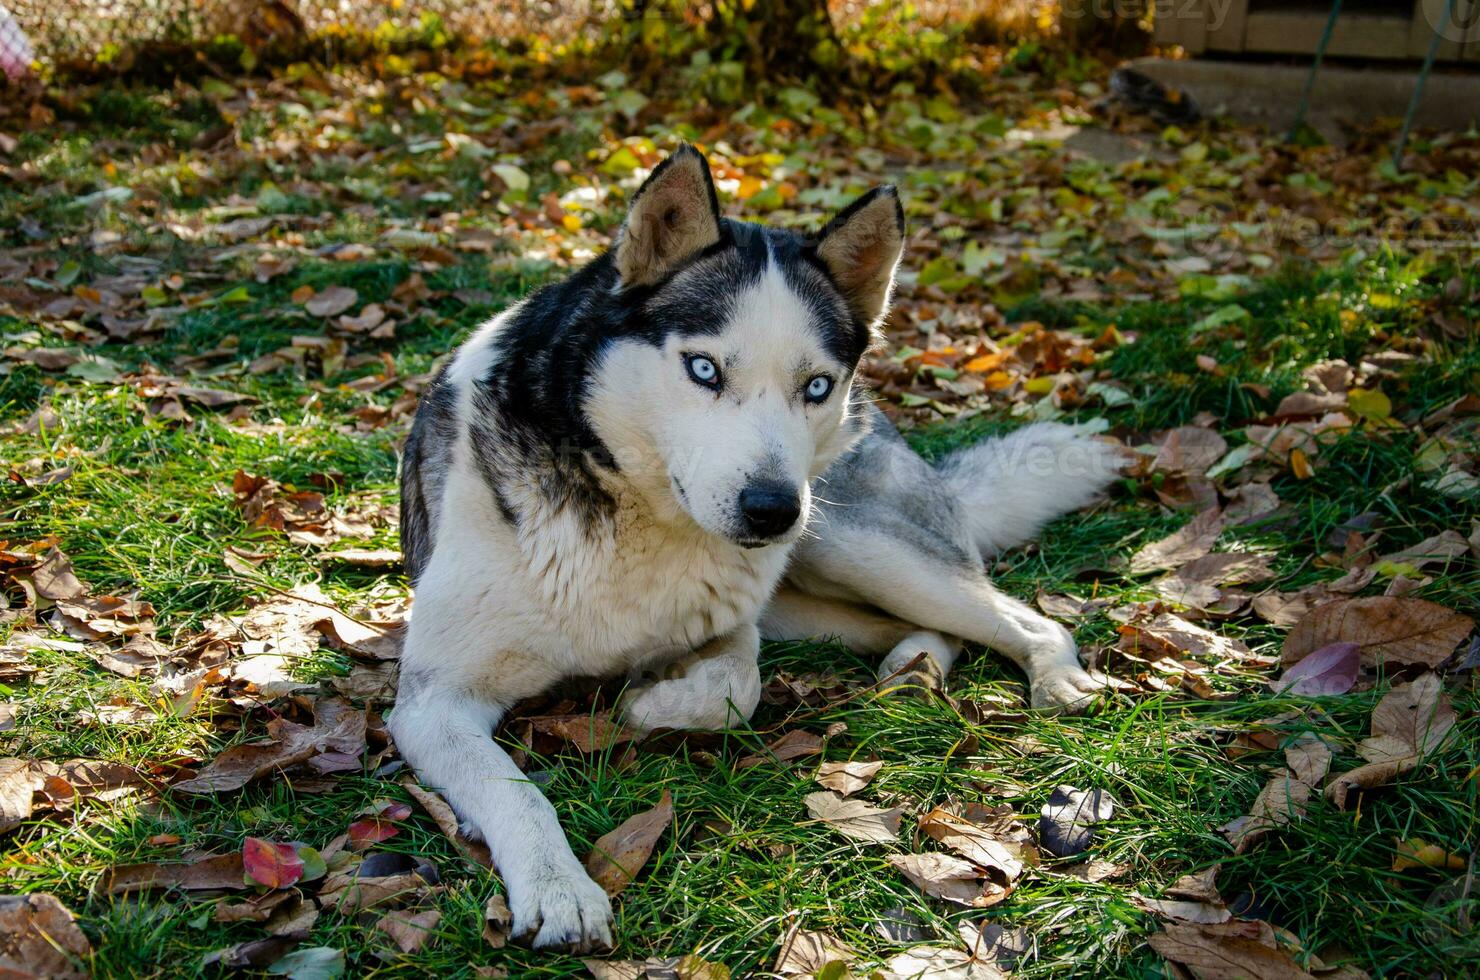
{"x":1315,"y":67}
{"x":1423,"y":76}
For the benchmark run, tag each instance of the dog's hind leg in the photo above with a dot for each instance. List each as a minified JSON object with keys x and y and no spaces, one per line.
{"x":945,"y":592}
{"x":716,"y":686}
{"x":446,"y":711}
{"x":795,"y":614}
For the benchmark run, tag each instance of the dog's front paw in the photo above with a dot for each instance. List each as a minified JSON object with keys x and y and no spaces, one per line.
{"x":1068,"y":688}
{"x":561,"y":909}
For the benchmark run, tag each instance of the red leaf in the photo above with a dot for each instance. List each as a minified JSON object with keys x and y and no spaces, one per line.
{"x":363,"y":833}
{"x":1330,"y":670}
{"x":273,"y":865}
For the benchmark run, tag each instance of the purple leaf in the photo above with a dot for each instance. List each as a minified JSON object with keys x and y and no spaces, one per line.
{"x":1330,"y":670}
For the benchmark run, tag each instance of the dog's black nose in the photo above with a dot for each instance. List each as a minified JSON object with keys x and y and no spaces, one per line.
{"x":769,"y":509}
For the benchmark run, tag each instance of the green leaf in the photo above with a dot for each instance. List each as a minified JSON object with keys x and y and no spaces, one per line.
{"x":313,"y":963}
{"x":68,"y":273}
{"x":513,"y":177}
{"x":1232,"y":313}
{"x":621,"y":163}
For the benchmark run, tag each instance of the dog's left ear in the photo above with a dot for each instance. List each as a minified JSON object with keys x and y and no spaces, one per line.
{"x":674,"y":216}
{"x":861,"y":247}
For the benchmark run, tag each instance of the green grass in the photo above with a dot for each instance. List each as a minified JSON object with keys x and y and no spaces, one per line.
{"x":148,"y":508}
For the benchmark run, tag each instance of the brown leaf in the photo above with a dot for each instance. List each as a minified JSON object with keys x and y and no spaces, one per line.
{"x":497,"y":921}
{"x":1388,"y":629}
{"x":1282,"y":801}
{"x":1410,"y":722}
{"x":1309,"y":758}
{"x":258,"y":908}
{"x":1189,"y":449}
{"x":348,"y":893}
{"x":805,"y":953}
{"x":1194,"y":540}
{"x":1237,"y":950}
{"x":18,"y":784}
{"x":408,"y":931}
{"x":332,"y":301}
{"x":1180,"y":910}
{"x":847,"y":778}
{"x":855,"y":818}
{"x":977,"y":844}
{"x":938,"y":963}
{"x":446,"y":820}
{"x":618,"y":856}
{"x":951,"y":878}
{"x":792,"y":745}
{"x":1172,"y":636}
{"x":54,"y":579}
{"x":223,"y":871}
{"x":364,"y":557}
{"x":589,"y":733}
{"x":39,"y":938}
{"x":337,"y":728}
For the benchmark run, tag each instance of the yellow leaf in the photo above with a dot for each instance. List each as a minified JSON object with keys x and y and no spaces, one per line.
{"x":571,"y":222}
{"x":1419,"y":853}
{"x":1300,"y":465}
{"x":1039,"y":386}
{"x":748,"y":188}
{"x":985,"y":363}
{"x":1370,"y":404}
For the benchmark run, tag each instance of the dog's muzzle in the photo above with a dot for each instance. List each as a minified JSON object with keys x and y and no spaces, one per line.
{"x":769,"y":510}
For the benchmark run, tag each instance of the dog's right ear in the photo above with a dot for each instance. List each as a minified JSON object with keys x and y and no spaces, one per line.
{"x":673,"y":216}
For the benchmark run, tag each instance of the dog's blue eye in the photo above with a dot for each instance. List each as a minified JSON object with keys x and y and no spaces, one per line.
{"x":819,"y":388}
{"x":702,"y":370}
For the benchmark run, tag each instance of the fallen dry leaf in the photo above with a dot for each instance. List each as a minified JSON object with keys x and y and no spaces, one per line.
{"x":497,"y":921}
{"x":222,"y":871}
{"x":847,"y":778}
{"x":332,"y":301}
{"x":408,"y":931}
{"x":977,"y":844}
{"x":1309,"y":758}
{"x":1330,"y":670}
{"x":952,"y":879}
{"x":793,"y":745}
{"x":938,"y":963}
{"x":691,"y":967}
{"x":1172,"y":636}
{"x":1411,"y":721}
{"x":446,"y":820}
{"x":1419,"y":853}
{"x":1193,"y":540}
{"x":1282,"y":801}
{"x":18,"y":784}
{"x":1235,"y":950}
{"x":337,"y":728}
{"x":1387,"y":629}
{"x":805,"y":953}
{"x":855,"y":818}
{"x":618,"y":856}
{"x":40,"y":938}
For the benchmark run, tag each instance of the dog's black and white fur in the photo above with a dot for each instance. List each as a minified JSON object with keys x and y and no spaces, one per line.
{"x":616,"y":477}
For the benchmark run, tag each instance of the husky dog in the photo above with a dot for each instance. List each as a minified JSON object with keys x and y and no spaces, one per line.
{"x":644,"y":469}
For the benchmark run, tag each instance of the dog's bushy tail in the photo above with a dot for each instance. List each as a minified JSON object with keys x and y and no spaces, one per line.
{"x":1013,"y":485}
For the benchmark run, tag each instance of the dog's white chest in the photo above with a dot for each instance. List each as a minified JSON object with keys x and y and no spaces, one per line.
{"x":635,"y":591}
